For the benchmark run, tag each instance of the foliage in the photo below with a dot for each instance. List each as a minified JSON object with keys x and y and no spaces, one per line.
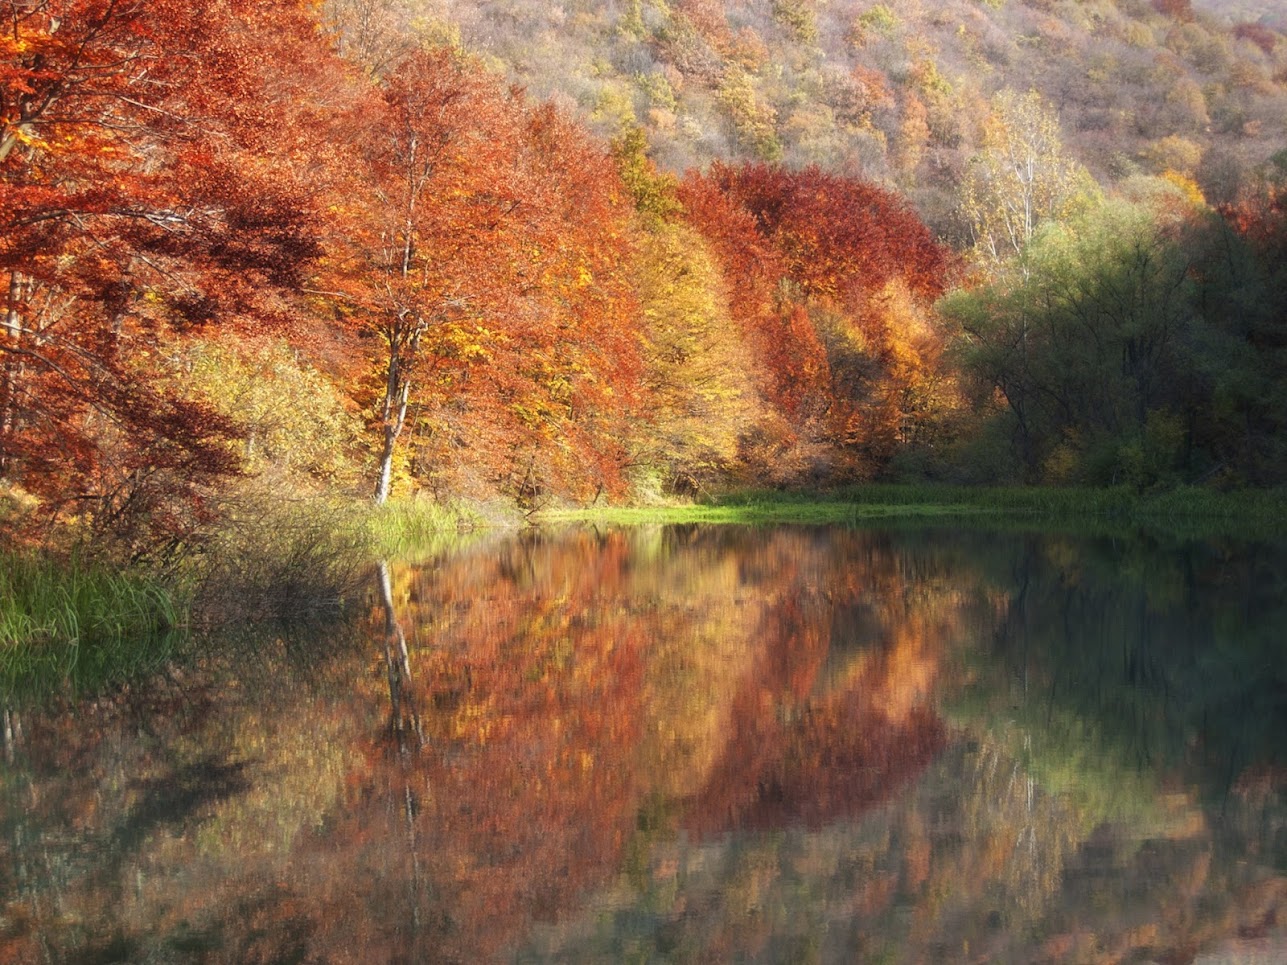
{"x":484,"y":283}
{"x":246,"y":259}
{"x":799,"y":16}
{"x":654,"y":192}
{"x":696,"y":368}
{"x":139,"y":197}
{"x":1110,"y":346}
{"x":1020,"y":177}
{"x":1122,"y":75}
{"x":290,"y":417}
{"x":879,"y":18}
{"x":846,"y":338}
{"x":754,"y":123}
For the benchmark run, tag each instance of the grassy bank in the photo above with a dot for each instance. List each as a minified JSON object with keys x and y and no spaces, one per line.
{"x":76,"y":619}
{"x":71,"y":620}
{"x":1261,"y":512}
{"x":420,"y":527}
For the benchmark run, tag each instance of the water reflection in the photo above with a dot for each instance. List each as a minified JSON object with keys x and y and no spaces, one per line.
{"x":689,"y":744}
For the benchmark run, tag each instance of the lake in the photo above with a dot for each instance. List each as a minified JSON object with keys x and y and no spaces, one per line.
{"x":689,"y":744}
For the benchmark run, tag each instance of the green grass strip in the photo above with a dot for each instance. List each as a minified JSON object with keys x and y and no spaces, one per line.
{"x":419,"y":528}
{"x":822,"y":512}
{"x":1257,"y":512}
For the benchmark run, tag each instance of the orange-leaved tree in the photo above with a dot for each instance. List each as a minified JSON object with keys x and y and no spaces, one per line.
{"x":421,"y":251}
{"x":152,"y":183}
{"x":754,"y":268}
{"x":843,"y":275}
{"x":566,"y":382}
{"x":479,"y":250}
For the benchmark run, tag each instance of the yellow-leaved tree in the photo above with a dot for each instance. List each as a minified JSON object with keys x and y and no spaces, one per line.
{"x":697,"y":368}
{"x":1020,"y":177}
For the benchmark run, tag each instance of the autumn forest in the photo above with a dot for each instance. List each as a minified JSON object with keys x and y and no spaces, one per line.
{"x":335,"y":248}
{"x":377,"y":378}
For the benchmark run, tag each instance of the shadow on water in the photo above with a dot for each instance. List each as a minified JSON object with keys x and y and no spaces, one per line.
{"x":175,"y":798}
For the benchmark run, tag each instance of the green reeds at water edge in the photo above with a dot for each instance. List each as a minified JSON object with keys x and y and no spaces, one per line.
{"x":80,"y":623}
{"x":422,"y":527}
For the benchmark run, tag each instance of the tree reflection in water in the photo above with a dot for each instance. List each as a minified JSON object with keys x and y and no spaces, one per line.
{"x":692,"y":744}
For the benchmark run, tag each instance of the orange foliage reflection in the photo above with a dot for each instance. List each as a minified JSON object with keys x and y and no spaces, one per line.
{"x":509,"y":756}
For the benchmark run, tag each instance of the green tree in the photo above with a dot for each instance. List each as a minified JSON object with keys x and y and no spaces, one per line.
{"x":754,"y":122}
{"x":653,"y":192}
{"x":1089,"y":340}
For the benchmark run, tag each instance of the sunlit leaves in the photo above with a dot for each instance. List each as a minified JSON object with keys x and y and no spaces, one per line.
{"x":290,"y":417}
{"x":1020,"y":178}
{"x":486,"y":268}
{"x":697,"y":371}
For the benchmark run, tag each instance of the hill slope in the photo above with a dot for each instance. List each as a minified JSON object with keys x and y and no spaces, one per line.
{"x":896,"y":91}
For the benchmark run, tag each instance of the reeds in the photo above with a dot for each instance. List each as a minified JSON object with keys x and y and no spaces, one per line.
{"x":87,"y":623}
{"x":419,"y":527}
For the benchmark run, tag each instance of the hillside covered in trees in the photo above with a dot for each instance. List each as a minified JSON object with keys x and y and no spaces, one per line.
{"x":898,"y":92}
{"x":630,"y":250}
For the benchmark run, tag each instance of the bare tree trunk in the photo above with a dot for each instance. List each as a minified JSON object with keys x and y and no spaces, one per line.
{"x":392,"y":430}
{"x":386,"y":466}
{"x":12,"y":365}
{"x":397,"y":394}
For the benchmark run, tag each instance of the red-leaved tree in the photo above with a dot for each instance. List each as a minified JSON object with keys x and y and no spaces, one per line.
{"x":156,"y":160}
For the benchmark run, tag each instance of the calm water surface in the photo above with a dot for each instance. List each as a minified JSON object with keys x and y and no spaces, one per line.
{"x":690,"y":744}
